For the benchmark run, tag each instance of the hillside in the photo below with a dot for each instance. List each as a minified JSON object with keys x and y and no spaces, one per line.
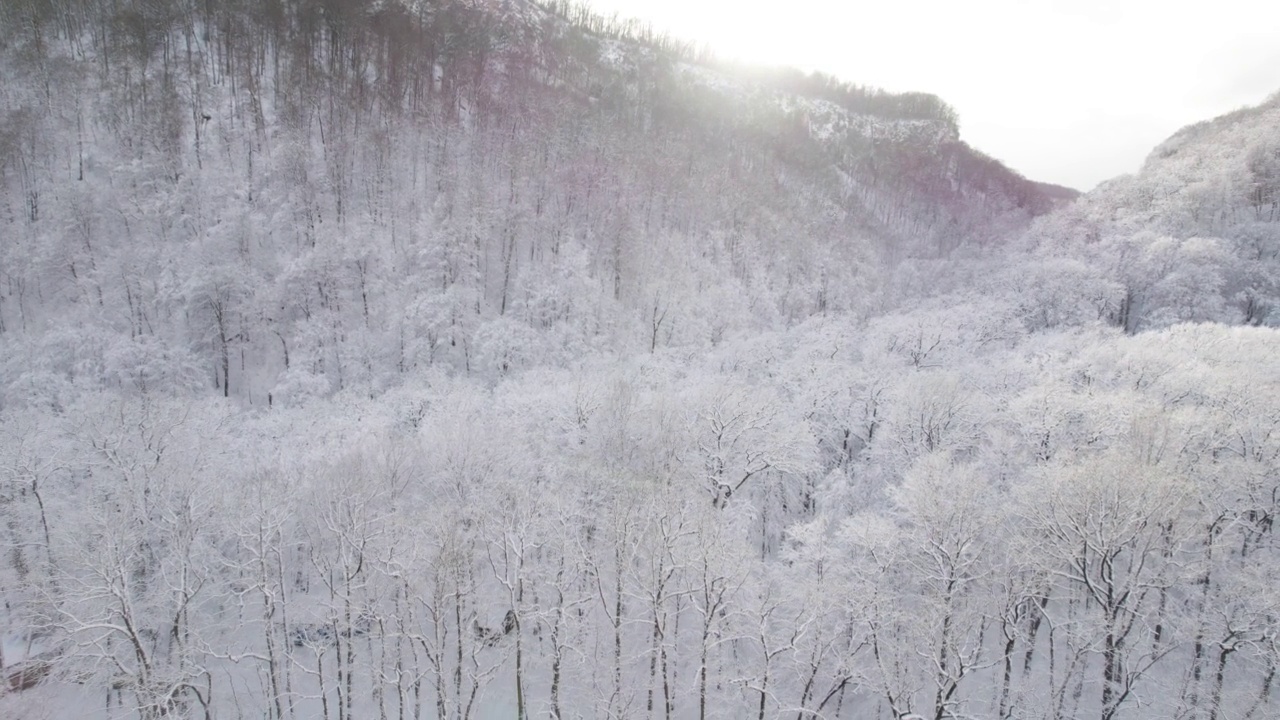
{"x":246,"y":190}
{"x":471,"y":360}
{"x":1194,"y":236}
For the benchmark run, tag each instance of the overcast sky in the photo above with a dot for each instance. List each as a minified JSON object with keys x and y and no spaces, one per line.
{"x":1064,"y":91}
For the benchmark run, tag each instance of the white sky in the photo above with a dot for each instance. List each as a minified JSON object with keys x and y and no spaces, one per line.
{"x":1065,"y":91}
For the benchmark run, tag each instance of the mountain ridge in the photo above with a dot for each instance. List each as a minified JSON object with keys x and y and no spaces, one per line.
{"x":483,"y":138}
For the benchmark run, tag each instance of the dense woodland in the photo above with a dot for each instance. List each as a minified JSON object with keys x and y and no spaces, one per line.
{"x":488,"y":359}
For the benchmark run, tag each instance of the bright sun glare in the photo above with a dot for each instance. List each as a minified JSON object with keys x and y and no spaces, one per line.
{"x":1065,"y":92}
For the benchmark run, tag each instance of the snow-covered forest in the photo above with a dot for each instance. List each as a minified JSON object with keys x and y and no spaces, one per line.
{"x":490,"y":359}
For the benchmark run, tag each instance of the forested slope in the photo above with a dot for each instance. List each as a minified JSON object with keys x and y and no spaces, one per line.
{"x":493,"y":360}
{"x":287,"y":198}
{"x":1194,"y":236}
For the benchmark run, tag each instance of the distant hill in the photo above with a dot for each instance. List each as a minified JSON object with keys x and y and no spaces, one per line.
{"x":1058,"y":193}
{"x":1194,"y":235}
{"x":254,"y":186}
{"x":1218,"y":177}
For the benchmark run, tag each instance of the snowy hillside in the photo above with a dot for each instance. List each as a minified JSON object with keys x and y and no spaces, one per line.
{"x":1194,"y":236}
{"x":469,"y":360}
